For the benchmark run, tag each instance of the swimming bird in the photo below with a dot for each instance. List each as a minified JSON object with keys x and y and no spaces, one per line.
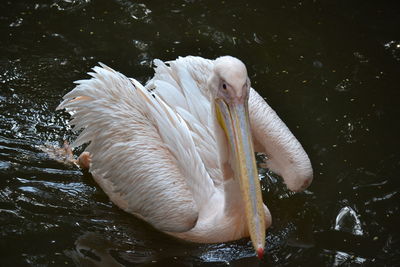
{"x":179,"y":151}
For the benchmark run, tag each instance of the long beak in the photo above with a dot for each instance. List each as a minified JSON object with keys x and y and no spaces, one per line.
{"x":234,"y":119}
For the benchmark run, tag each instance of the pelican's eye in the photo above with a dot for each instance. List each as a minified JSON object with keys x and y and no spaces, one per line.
{"x":224,"y":86}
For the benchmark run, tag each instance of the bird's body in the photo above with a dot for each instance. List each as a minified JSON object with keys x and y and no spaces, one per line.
{"x":161,"y":153}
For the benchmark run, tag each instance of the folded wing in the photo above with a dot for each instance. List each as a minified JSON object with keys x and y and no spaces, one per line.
{"x":143,"y":152}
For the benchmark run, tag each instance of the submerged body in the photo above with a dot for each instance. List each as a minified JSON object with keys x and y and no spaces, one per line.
{"x":178,"y":153}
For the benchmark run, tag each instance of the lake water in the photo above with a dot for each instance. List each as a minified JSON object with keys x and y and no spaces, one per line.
{"x":329,"y":68}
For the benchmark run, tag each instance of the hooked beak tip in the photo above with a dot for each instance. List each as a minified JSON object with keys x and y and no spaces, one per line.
{"x":260,"y":253}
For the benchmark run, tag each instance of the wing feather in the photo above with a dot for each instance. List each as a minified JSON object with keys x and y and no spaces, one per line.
{"x":187,"y":78}
{"x":130,"y":161}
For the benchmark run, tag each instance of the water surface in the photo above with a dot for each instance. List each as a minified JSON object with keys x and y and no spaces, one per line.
{"x":330,"y":70}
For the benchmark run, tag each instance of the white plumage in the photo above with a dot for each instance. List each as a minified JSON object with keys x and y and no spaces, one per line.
{"x":159,"y":151}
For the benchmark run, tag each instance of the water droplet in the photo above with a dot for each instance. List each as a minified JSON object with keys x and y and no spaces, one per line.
{"x":317,"y":64}
{"x":348,"y":221}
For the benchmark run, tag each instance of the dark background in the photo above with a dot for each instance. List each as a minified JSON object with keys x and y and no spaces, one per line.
{"x":329,"y":68}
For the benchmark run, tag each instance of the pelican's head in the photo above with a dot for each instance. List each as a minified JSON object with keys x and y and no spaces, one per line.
{"x":233,"y":84}
{"x":230,"y":87}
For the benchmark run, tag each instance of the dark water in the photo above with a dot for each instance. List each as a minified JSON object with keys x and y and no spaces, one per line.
{"x":329,"y":68}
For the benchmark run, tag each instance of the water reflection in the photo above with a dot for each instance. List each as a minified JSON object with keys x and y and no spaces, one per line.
{"x":342,"y":258}
{"x":394,"y":48}
{"x":96,"y":249}
{"x":93,"y":250}
{"x":65,"y":5}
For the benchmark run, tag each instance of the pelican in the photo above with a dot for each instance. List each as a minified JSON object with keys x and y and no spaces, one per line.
{"x":179,"y":151}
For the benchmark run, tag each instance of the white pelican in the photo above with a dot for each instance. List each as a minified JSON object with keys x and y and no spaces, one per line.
{"x":179,"y":152}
